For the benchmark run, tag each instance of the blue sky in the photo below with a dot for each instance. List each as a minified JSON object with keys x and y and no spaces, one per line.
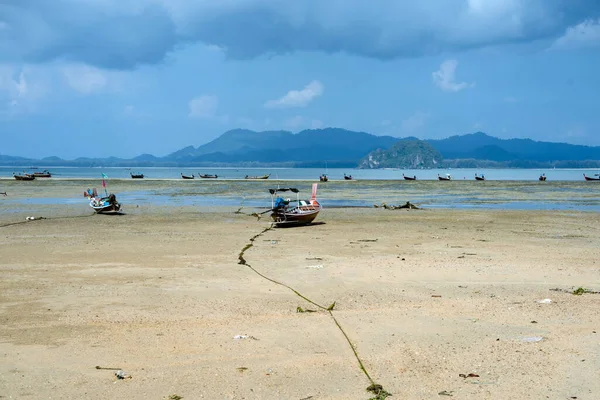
{"x":124,"y":77}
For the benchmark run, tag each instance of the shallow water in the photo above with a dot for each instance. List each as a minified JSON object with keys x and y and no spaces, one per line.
{"x":465,"y":194}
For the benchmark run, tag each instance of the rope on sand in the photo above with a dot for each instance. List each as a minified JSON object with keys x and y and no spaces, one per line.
{"x":374,"y":387}
{"x":42,"y":218}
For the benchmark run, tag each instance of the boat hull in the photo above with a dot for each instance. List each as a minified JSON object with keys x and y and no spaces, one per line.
{"x":587,"y":178}
{"x":208,"y":176}
{"x":24,"y":177}
{"x":105,"y":205}
{"x":295,"y":217}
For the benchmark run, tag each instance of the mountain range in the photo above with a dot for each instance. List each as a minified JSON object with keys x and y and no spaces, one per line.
{"x":343,"y":148}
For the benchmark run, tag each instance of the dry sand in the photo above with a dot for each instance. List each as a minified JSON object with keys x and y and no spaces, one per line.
{"x":422,"y":295}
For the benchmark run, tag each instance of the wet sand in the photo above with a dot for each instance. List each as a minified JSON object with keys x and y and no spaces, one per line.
{"x":423,"y":296}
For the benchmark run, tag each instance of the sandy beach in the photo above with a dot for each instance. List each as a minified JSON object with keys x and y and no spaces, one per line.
{"x":424,"y":296}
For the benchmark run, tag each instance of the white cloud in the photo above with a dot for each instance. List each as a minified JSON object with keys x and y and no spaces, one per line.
{"x":298,"y":98}
{"x":299,"y":122}
{"x":20,"y":88}
{"x":316,"y":124}
{"x":85,"y":79}
{"x":585,"y":34}
{"x":444,"y":77}
{"x":294,"y":123}
{"x":133,"y":112}
{"x":203,"y":107}
{"x":415,"y":123}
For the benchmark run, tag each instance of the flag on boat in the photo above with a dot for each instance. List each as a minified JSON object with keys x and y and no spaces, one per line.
{"x":103,"y":178}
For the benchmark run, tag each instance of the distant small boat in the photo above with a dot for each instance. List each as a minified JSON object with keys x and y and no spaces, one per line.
{"x":445,"y":178}
{"x":348,"y":177}
{"x":409,"y":178}
{"x":44,"y":174}
{"x":136,"y":176}
{"x":187,"y":176}
{"x":24,"y":177}
{"x":589,"y":178}
{"x":479,"y":178}
{"x":323,"y":178}
{"x":207,"y":176}
{"x":257,"y":177}
{"x":542,"y":177}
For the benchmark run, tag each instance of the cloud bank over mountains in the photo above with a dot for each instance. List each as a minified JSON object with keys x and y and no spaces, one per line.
{"x":125,"y":34}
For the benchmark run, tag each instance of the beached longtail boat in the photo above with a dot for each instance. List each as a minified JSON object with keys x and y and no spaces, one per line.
{"x":187,"y":176}
{"x":589,"y":178}
{"x":24,"y":177}
{"x":445,"y":178}
{"x":257,"y":177}
{"x":287,"y":212}
{"x":106,"y":204}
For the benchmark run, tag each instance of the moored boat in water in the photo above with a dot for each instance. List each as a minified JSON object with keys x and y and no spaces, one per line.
{"x":187,"y":176}
{"x":208,"y":176}
{"x":258,"y":177}
{"x":136,"y":176}
{"x":323,"y":178}
{"x":479,"y":178}
{"x":409,"y":178}
{"x":448,"y":177}
{"x":542,"y":177}
{"x":589,"y":178}
{"x":44,"y":174}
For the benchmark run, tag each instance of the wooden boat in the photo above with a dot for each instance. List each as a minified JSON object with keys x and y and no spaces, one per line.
{"x":44,"y":174}
{"x":207,"y":176}
{"x":543,"y":177}
{"x":479,"y":178}
{"x":187,"y":176}
{"x":136,"y":176}
{"x":323,"y":178}
{"x":105,"y":205}
{"x":24,"y":177}
{"x":445,"y":178}
{"x":348,"y":177}
{"x":589,"y":178}
{"x":409,"y":178}
{"x":257,"y":177}
{"x":286,"y":212}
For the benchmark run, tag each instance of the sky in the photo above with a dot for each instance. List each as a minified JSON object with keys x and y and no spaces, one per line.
{"x":101,"y":78}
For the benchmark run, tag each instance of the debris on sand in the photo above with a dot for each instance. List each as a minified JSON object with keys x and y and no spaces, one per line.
{"x":408,"y":206}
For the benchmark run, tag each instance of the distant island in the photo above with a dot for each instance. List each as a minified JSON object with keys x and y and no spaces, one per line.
{"x":341,"y":148}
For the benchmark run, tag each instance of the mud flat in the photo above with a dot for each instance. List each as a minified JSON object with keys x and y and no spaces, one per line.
{"x":424,"y":296}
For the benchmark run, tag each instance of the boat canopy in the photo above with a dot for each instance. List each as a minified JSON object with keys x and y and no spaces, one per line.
{"x":293,"y":190}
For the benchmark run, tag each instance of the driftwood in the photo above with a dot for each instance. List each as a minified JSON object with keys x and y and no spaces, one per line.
{"x":408,"y":206}
{"x":3,"y":193}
